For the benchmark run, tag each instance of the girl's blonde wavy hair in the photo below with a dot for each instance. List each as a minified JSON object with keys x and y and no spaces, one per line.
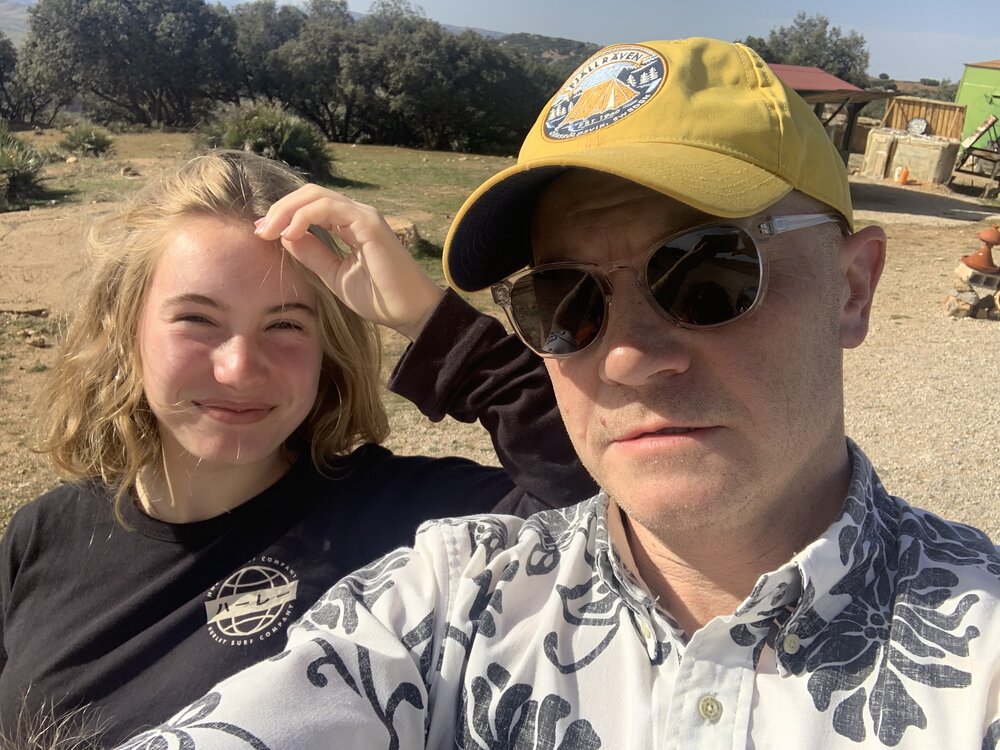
{"x":96,"y":423}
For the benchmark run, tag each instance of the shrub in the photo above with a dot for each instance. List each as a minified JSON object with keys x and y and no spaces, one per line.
{"x":20,"y":164}
{"x":269,"y":130}
{"x":86,"y":140}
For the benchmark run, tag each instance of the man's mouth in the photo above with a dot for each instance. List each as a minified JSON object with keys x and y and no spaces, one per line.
{"x":651,"y":431}
{"x":672,"y":431}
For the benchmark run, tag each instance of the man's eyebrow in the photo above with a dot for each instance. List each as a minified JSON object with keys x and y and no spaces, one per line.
{"x":190,"y":298}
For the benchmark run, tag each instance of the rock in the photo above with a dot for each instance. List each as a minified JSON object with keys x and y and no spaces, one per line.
{"x":40,"y":342}
{"x":72,"y":159}
{"x":405,"y":231}
{"x":956,"y":308}
{"x":970,"y":298}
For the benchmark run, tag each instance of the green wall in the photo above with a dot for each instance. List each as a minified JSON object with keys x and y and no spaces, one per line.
{"x":979,"y":91}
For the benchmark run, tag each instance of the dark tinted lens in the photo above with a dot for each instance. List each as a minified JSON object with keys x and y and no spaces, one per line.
{"x":706,"y":277}
{"x":559,"y":311}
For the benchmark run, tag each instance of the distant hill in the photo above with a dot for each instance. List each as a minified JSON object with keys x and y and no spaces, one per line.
{"x":548,"y":47}
{"x":562,"y":54}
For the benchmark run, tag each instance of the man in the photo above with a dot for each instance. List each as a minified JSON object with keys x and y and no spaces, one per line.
{"x":743,"y":580}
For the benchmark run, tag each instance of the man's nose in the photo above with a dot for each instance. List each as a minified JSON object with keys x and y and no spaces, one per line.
{"x":639,"y":344}
{"x":239,"y":361}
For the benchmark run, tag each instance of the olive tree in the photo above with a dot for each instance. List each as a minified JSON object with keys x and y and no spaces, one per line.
{"x":810,"y":40}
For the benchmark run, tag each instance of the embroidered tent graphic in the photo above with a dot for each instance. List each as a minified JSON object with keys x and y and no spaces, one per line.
{"x":601,"y":97}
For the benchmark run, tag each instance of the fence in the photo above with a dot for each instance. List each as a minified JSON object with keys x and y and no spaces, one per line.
{"x":944,"y":119}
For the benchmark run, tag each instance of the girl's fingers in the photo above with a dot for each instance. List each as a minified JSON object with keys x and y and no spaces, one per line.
{"x":316,"y":256}
{"x":356,"y":224}
{"x":282,"y":211}
{"x":291,"y":215}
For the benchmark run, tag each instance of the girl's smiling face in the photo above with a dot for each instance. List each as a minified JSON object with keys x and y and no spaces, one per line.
{"x":229,"y":344}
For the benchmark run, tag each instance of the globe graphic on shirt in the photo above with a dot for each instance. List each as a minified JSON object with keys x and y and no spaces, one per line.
{"x":253,"y":591}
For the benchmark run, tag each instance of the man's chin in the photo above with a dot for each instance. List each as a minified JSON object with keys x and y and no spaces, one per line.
{"x":679,"y":506}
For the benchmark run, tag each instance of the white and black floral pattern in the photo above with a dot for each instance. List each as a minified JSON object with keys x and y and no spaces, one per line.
{"x":498,"y":633}
{"x":178,"y":732}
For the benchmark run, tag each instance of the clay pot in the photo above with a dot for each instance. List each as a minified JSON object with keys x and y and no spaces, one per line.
{"x":982,"y":259}
{"x":990,"y":235}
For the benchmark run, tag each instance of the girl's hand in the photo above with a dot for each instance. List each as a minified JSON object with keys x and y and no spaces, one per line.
{"x":377,"y":277}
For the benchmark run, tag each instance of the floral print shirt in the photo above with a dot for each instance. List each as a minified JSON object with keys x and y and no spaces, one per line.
{"x":494,"y":632}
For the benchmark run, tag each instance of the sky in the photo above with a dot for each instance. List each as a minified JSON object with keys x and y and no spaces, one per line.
{"x":907,"y":40}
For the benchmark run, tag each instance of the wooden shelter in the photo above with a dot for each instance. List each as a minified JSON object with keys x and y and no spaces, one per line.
{"x":820,"y":88}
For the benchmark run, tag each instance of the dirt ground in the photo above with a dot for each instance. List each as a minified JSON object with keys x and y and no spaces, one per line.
{"x":43,"y":273}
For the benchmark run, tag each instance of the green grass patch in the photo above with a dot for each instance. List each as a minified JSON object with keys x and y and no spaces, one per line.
{"x":428,"y":187}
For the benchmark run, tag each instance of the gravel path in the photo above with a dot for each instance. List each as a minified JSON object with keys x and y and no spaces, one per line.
{"x":920,"y":390}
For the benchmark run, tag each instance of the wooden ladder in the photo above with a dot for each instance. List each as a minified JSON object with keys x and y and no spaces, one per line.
{"x":989,"y":156}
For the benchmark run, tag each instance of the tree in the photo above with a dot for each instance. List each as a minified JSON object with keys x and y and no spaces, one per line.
{"x":945,"y":91}
{"x":8,"y":66}
{"x":148,"y":61}
{"x":811,"y":41}
{"x":261,"y":29}
{"x":26,"y":96}
{"x":424,"y":86}
{"x":310,"y":70}
{"x":494,"y":98}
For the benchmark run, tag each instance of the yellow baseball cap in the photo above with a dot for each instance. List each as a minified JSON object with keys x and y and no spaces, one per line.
{"x":703,"y":121}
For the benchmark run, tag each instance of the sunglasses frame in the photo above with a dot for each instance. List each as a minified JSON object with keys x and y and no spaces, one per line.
{"x":756,"y":228}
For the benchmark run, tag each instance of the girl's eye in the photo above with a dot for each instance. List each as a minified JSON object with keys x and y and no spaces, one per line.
{"x":286,"y":325}
{"x":192,"y":318}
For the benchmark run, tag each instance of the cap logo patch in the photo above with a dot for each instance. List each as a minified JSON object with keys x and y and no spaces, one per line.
{"x":608,"y":87}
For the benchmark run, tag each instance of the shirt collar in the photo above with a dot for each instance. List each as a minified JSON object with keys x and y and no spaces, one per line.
{"x":800,"y":598}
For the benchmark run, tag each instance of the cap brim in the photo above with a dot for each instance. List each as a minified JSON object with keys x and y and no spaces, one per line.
{"x":490,"y":237}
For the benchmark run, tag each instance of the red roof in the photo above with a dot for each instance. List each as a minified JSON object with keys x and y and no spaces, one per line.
{"x":987,"y":64}
{"x":804,"y":78}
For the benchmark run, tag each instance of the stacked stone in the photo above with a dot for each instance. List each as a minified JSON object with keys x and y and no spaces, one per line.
{"x":976,"y":295}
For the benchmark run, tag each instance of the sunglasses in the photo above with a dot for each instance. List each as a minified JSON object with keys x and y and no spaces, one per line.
{"x":705,"y":277}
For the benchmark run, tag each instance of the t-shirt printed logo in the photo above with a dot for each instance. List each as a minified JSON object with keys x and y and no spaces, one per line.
{"x":607,"y":88}
{"x":253,"y":603}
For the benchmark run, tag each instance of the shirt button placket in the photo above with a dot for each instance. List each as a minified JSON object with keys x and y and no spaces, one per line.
{"x":712,"y":693}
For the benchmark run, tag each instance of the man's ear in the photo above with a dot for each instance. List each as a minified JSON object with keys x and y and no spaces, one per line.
{"x":862,"y":257}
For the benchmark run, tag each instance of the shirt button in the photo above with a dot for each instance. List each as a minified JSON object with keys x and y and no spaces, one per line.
{"x":791,"y":644}
{"x":710,"y":708}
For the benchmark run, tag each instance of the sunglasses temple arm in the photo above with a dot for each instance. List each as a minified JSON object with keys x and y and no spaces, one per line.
{"x":781,"y":224}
